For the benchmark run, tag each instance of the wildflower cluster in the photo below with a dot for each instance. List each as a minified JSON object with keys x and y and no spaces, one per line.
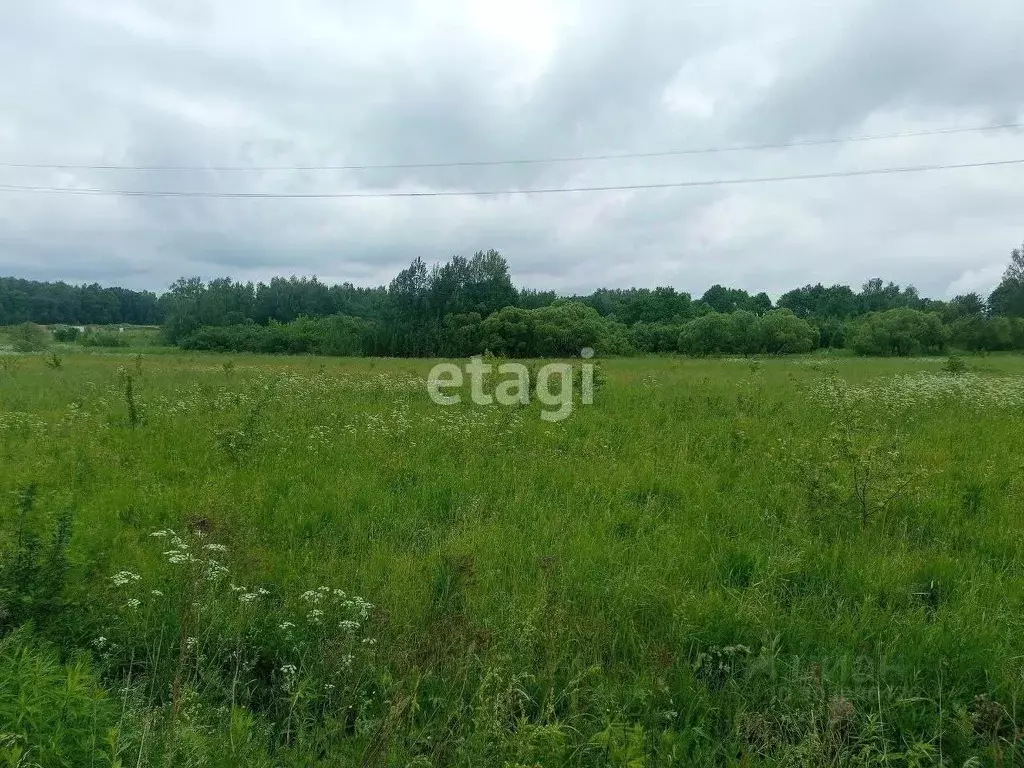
{"x":181,"y":553}
{"x":456,"y":423}
{"x":353,"y":607}
{"x":18,"y":423}
{"x":923,"y":389}
{"x":332,"y":636}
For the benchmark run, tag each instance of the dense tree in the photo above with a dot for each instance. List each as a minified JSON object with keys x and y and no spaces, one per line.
{"x":1008,"y":297}
{"x":718,"y":298}
{"x":899,"y":332}
{"x":711,"y":334}
{"x":489,"y":287}
{"x":838,"y":302}
{"x":560,"y":330}
{"x":778,"y":331}
{"x":62,"y":304}
{"x":782,"y":332}
{"x":655,"y":338}
{"x":1015,"y":270}
{"x":977,"y":333}
{"x":530,"y":298}
{"x":641,"y":305}
{"x":967,"y":305}
{"x":747,"y":332}
{"x":876,"y":296}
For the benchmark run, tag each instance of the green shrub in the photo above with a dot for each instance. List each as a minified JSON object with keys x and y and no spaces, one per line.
{"x":747,"y":332}
{"x":32,"y":574}
{"x":66,"y":333}
{"x":954,"y":364}
{"x":782,"y":332}
{"x":711,"y":334}
{"x":776,"y":332}
{"x":898,"y":333}
{"x":103,"y":339}
{"x":52,"y":714}
{"x":338,"y":335}
{"x":831,"y":332}
{"x":28,"y":337}
{"x":985,"y":334}
{"x":655,"y":337}
{"x":559,"y":330}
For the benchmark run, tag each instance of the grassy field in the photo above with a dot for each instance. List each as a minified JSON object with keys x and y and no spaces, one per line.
{"x":215,"y":560}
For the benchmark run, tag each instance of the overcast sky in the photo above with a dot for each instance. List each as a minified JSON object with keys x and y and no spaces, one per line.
{"x":337,"y":82}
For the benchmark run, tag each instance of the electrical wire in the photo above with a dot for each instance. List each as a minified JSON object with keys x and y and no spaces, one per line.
{"x":521,"y":161}
{"x":86,"y":191}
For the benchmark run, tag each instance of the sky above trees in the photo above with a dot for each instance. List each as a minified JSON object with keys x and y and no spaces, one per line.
{"x":201,"y":83}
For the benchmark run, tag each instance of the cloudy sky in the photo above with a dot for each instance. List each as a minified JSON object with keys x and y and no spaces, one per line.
{"x":207,"y":84}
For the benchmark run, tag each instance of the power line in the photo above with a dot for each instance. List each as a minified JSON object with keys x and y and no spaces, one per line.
{"x":492,"y":193}
{"x":521,"y":161}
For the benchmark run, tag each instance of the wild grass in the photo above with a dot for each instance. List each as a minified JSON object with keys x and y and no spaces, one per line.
{"x":235,"y":560}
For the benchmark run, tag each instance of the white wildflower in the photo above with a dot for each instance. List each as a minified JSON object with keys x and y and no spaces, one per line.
{"x":289,"y":677}
{"x":124,"y":577}
{"x":214,"y":570}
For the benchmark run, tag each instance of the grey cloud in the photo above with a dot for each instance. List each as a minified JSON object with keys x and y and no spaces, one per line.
{"x":931,"y":57}
{"x":200,"y":83}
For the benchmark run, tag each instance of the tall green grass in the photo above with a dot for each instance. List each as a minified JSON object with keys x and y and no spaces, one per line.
{"x":293,"y":561}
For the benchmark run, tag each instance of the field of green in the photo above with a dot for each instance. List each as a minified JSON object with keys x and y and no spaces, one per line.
{"x":243,"y":561}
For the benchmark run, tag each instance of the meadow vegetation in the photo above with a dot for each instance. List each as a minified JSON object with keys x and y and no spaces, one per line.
{"x":228,"y":560}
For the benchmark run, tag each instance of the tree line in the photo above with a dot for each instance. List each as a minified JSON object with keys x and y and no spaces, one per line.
{"x":469,"y":305}
{"x":23,"y":301}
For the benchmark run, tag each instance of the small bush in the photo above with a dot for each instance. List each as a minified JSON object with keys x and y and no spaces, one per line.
{"x":32,"y":574}
{"x":103,"y":339}
{"x":53,"y":713}
{"x":28,"y":337}
{"x":954,"y":364}
{"x":67,"y":333}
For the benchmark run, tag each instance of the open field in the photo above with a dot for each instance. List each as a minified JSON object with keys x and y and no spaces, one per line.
{"x":295,"y":561}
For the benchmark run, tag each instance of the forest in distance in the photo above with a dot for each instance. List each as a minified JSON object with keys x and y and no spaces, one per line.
{"x":470,"y":305}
